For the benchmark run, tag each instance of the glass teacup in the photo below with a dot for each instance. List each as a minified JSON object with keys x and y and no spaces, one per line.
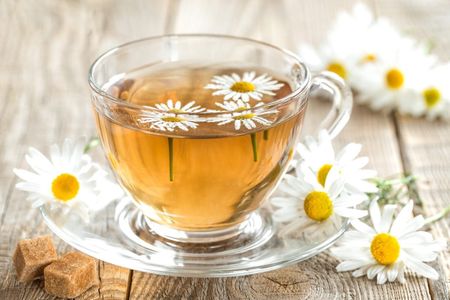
{"x":199,"y":129}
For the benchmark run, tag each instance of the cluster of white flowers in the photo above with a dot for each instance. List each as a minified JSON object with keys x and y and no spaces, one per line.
{"x":387,"y":70}
{"x":327,"y":187}
{"x":237,"y":91}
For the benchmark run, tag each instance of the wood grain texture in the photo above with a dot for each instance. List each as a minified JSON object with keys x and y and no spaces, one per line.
{"x":46,"y":49}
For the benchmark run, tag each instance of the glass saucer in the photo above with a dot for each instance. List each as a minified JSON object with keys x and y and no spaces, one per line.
{"x":120,"y":235}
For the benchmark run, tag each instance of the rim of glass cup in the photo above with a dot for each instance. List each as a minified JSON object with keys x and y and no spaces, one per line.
{"x":292,"y":96}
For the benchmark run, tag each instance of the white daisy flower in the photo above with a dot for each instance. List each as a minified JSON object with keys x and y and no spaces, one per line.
{"x":432,"y":97}
{"x":178,"y":108}
{"x":242,"y":114}
{"x":243,"y":88}
{"x":305,"y":204}
{"x":384,"y":250}
{"x":362,"y":38}
{"x":320,"y":157}
{"x":390,"y":81}
{"x":68,"y":180}
{"x":328,"y":57}
{"x":172,"y":116}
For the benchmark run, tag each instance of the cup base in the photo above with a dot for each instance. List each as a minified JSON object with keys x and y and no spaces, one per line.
{"x":253,"y":225}
{"x":139,"y":230}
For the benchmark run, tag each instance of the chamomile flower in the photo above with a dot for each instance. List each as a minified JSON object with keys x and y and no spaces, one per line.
{"x":328,"y":57}
{"x":320,"y":157}
{"x":68,"y":180}
{"x":305,"y":204}
{"x":172,"y":116}
{"x":242,"y":114}
{"x":178,"y":108}
{"x":361,"y":37}
{"x":390,"y":81}
{"x":432,"y":97}
{"x":387,"y":248}
{"x":244,"y":87}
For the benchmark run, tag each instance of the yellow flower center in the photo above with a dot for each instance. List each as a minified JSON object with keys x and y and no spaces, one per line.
{"x":385,"y":248}
{"x":318,"y":206}
{"x":338,"y":69}
{"x":243,"y":87}
{"x":431,"y":96}
{"x":244,"y":116}
{"x":172,"y":119}
{"x":394,"y":79}
{"x":176,"y":111}
{"x":369,"y":58}
{"x":323,"y":173}
{"x":65,"y":187}
{"x":242,"y":108}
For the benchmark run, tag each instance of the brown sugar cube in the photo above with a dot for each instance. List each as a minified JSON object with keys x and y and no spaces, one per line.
{"x":70,"y":275}
{"x":32,"y":256}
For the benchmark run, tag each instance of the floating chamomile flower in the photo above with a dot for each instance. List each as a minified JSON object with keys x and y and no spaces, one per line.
{"x":305,"y":205}
{"x":390,"y":81}
{"x":68,"y":180}
{"x":320,"y":157}
{"x":172,"y":116}
{"x":384,"y":250}
{"x":432,"y":95}
{"x":178,"y":108}
{"x":235,"y":87}
{"x":242,"y":114}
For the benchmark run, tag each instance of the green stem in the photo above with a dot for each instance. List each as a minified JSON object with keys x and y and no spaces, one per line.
{"x":254,"y":146}
{"x":438,"y":216}
{"x":170,"y":140}
{"x":91,"y":144}
{"x":266,"y":135}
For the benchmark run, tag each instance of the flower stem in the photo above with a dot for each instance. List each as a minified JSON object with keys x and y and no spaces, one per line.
{"x":91,"y":144}
{"x":254,"y":146}
{"x":438,"y":216}
{"x":266,"y":135}
{"x":170,"y":140}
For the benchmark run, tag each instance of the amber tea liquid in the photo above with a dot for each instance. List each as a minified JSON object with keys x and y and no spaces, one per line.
{"x":215,"y":179}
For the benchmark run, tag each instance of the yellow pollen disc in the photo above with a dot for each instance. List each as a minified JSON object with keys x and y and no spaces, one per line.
{"x":172,"y":119}
{"x":431,"y":96}
{"x":318,"y":206}
{"x":323,"y":173}
{"x":385,"y":248}
{"x":65,"y":187}
{"x":243,"y":87}
{"x":176,"y":111}
{"x":242,"y":108}
{"x":369,"y":58}
{"x":337,"y":68}
{"x":244,"y":117}
{"x":394,"y":79}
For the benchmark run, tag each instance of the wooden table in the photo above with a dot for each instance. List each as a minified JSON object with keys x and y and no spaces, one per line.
{"x":46,"y":48}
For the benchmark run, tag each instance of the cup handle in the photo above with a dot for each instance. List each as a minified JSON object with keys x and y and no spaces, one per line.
{"x":341,"y":94}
